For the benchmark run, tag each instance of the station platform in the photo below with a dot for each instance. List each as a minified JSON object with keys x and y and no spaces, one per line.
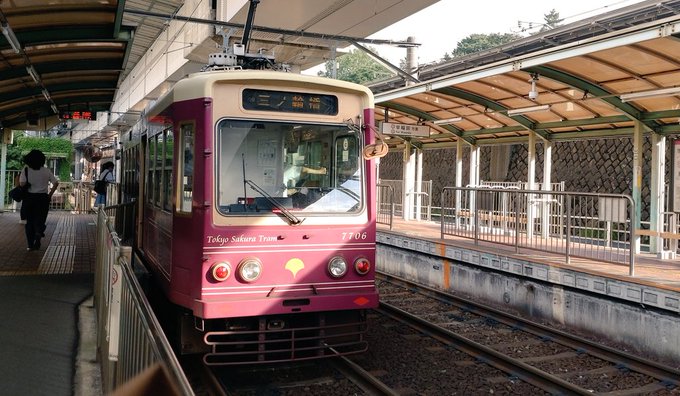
{"x":44,"y":296}
{"x":601,"y":299}
{"x":650,"y":271}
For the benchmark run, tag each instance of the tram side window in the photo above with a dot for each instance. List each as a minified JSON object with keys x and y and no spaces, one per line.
{"x":186,"y":167}
{"x":127,"y":174}
{"x":149,"y":169}
{"x":158,"y":169}
{"x":167,"y":170}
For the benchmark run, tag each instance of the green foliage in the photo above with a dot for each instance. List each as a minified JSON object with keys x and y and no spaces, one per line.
{"x":14,"y":157}
{"x":479,"y":42}
{"x":552,"y":20}
{"x":52,"y":147}
{"x":46,"y":145}
{"x":64,"y":170}
{"x":357,"y":67}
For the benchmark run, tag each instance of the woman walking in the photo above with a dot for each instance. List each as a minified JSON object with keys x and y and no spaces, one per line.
{"x":37,"y":203}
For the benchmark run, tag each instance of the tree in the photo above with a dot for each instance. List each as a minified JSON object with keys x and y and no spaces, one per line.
{"x":15,"y":159}
{"x":356,"y":66}
{"x":479,"y":42}
{"x":552,"y":20}
{"x":51,"y":147}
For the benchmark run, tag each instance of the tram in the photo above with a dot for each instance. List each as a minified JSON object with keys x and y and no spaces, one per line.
{"x":256,"y":212}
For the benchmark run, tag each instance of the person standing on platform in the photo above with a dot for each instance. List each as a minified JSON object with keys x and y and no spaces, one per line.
{"x":37,"y":203}
{"x":107,"y":176}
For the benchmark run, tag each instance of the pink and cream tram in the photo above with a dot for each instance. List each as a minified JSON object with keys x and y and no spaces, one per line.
{"x":257,"y":212}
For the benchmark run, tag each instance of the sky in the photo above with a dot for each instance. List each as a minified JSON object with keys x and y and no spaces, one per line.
{"x":440,"y":26}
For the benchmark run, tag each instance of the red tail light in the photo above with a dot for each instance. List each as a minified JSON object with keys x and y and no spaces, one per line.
{"x":220,"y":271}
{"x":362,"y":266}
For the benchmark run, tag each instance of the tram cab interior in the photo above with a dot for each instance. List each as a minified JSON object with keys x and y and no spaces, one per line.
{"x":263,"y":166}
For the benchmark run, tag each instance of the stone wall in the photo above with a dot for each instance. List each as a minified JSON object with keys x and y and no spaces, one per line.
{"x":600,"y":166}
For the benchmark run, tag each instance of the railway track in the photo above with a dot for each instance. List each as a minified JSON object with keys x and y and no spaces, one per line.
{"x":337,"y":376}
{"x":551,"y":360}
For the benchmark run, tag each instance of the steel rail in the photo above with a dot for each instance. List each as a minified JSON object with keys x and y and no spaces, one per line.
{"x":360,"y":377}
{"x":514,"y":367}
{"x":663,"y":373}
{"x":205,"y":375}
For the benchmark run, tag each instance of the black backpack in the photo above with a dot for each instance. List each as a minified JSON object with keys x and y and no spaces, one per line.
{"x":100,"y":185}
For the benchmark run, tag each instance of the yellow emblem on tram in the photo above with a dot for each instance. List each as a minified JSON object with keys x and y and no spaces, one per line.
{"x":294,"y":265}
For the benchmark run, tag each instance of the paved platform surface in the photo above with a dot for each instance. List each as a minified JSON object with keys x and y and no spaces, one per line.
{"x":649,"y":270}
{"x":40,"y":294}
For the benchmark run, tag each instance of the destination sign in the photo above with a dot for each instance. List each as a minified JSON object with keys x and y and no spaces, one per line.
{"x":390,"y":128}
{"x":290,"y":102}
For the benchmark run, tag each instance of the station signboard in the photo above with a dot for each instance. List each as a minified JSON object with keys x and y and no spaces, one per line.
{"x":390,"y":128}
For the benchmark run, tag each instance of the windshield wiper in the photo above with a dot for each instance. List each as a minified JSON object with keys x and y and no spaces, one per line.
{"x":349,"y":193}
{"x":292,"y":219}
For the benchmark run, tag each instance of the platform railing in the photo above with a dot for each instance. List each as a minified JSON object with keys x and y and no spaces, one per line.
{"x":11,"y":180}
{"x":521,"y":185}
{"x":385,"y":204}
{"x":129,"y":337}
{"x":123,"y":219}
{"x":670,"y":233}
{"x":422,"y":201}
{"x":593,"y":226}
{"x":83,"y":197}
{"x":61,"y":200}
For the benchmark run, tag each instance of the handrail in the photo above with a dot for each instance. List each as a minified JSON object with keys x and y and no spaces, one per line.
{"x":381,"y":217}
{"x":574,"y":224}
{"x":130,"y":339}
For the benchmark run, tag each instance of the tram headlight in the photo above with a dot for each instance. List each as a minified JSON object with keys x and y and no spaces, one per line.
{"x":362,"y":266}
{"x":220,"y":271}
{"x":337,"y":267}
{"x":250,"y":269}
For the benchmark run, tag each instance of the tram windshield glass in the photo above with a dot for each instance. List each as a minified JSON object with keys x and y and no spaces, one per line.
{"x":265,"y":167}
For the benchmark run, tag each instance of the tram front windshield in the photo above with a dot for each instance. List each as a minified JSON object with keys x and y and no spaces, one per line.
{"x":303,"y":168}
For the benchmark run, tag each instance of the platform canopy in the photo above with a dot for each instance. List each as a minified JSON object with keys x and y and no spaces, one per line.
{"x":64,"y":56}
{"x":590,"y":79}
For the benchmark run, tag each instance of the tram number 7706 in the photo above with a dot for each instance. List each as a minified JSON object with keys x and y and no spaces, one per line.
{"x":353,"y":236}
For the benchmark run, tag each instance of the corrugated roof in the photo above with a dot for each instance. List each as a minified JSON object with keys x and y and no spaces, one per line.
{"x":583,"y":75}
{"x":73,"y":54}
{"x":68,"y":55}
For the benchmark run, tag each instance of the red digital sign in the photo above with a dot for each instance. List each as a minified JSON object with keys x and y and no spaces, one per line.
{"x":77,"y":115}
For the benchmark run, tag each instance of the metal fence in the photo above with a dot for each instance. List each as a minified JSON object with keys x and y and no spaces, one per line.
{"x":422,"y":202}
{"x":593,"y":226}
{"x":77,"y":197}
{"x":11,"y":180}
{"x":123,"y":218}
{"x":520,"y":185}
{"x":129,"y":337}
{"x":670,"y":232}
{"x":385,"y":205}
{"x":83,"y":197}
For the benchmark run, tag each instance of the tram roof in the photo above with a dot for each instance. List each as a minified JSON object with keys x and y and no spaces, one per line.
{"x":200,"y":85}
{"x":594,"y":79}
{"x":72,"y":55}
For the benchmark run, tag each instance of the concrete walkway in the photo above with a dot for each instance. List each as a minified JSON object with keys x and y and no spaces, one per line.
{"x":44,"y":298}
